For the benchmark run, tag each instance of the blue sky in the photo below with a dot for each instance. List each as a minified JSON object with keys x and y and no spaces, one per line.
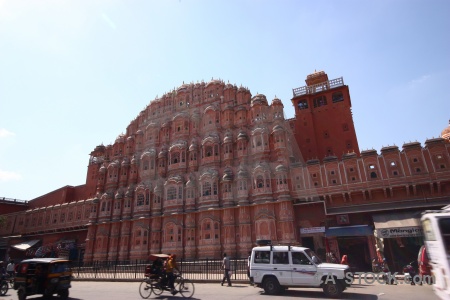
{"x":73,"y":74}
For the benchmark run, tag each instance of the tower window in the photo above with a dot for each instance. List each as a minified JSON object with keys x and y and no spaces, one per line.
{"x":345,"y":127}
{"x":320,"y":101}
{"x":337,"y":97}
{"x":373,"y":175}
{"x":393,"y":164}
{"x":302,"y":104}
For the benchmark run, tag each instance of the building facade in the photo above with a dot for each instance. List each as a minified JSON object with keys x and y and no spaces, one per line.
{"x":208,"y":168}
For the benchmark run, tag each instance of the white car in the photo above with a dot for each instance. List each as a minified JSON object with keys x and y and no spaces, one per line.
{"x":275,"y":268}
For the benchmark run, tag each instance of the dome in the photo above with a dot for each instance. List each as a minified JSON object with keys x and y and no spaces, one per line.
{"x":277,"y":101}
{"x":120,"y":139}
{"x":214,"y":81}
{"x":445,"y":134}
{"x":259,"y":99}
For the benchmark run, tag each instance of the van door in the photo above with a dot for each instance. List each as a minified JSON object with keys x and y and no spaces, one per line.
{"x":303,"y":270}
{"x":281,"y":267}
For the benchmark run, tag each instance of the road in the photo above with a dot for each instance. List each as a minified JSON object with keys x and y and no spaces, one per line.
{"x":89,"y":290}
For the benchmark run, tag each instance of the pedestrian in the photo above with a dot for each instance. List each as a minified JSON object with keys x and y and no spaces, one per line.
{"x":10,"y":268}
{"x":248,"y":267}
{"x":226,"y":266}
{"x":344,"y":260}
{"x":170,"y":266}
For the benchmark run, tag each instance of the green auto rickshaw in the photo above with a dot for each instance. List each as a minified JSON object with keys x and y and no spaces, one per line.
{"x":45,"y":276}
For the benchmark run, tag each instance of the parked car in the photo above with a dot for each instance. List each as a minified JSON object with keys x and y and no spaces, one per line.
{"x":45,"y":276}
{"x":423,"y":262}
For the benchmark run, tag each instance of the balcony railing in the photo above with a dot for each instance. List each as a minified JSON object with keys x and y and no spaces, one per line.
{"x":320,"y":87}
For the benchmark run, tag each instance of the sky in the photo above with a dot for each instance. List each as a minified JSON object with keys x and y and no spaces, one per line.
{"x":74,"y":74}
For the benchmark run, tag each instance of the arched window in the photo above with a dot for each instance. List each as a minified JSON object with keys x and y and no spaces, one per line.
{"x":206,"y":188}
{"x":171,"y":193}
{"x":259,"y":181}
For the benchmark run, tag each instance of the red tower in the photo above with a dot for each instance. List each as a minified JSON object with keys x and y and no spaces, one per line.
{"x":323,"y":124}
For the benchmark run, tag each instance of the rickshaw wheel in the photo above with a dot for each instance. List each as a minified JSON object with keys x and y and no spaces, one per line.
{"x":64,"y":294}
{"x":22,"y":293}
{"x":3,"y":288}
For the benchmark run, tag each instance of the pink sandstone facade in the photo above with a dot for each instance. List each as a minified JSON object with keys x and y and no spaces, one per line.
{"x":208,"y":168}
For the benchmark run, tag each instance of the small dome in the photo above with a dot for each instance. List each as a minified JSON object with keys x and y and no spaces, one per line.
{"x":277,"y":102}
{"x":125,"y":162}
{"x":242,"y":89}
{"x":242,"y":135}
{"x":445,"y":134}
{"x":183,"y":88}
{"x":214,"y":81}
{"x":120,"y":139}
{"x":259,"y":99}
{"x":280,"y":168}
{"x":102,"y":169}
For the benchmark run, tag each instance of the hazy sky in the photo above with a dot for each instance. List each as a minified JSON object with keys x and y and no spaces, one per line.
{"x":73,"y":74}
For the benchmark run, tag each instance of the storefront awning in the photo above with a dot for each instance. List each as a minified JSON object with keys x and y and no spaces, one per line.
{"x":399,"y":224}
{"x":356,"y":230}
{"x":25,"y":245}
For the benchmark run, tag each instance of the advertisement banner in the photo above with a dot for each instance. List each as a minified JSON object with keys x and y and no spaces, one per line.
{"x":399,"y":232}
{"x":310,"y":230}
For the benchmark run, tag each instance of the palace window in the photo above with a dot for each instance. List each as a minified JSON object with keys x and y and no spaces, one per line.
{"x":320,"y":101}
{"x":140,"y":200}
{"x":171,"y":193}
{"x":302,"y":104}
{"x":337,"y":97}
{"x":206,"y":188}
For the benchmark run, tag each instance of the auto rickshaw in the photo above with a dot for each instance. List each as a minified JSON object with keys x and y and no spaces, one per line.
{"x":46,"y":276}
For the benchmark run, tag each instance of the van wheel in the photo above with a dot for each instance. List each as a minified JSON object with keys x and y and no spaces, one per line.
{"x":22,"y":293}
{"x":271,"y":286}
{"x":64,"y":294}
{"x":332,"y":290}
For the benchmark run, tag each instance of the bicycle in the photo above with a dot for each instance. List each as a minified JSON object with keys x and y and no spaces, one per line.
{"x":153,"y":285}
{"x":10,"y":279}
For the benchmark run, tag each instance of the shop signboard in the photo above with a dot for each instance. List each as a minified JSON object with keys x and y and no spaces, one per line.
{"x":399,"y":232}
{"x":310,"y":230}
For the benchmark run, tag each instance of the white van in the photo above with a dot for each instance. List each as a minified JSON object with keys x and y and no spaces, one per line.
{"x":436,"y":228}
{"x":275,"y":268}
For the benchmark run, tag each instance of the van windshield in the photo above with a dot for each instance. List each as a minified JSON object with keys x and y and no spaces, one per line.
{"x":313,"y":256}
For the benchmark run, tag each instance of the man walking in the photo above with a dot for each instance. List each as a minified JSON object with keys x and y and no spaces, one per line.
{"x":226,"y":266}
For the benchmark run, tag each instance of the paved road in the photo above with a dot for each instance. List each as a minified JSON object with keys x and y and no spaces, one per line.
{"x":88,"y":290}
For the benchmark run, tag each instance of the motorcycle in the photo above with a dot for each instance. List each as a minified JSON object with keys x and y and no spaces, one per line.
{"x":3,"y":286}
{"x":409,"y":271}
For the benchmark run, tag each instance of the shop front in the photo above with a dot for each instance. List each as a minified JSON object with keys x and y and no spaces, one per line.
{"x":400,"y":237}
{"x":313,"y":238}
{"x":355,"y":241}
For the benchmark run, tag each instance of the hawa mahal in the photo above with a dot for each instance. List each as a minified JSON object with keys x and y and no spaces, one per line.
{"x":209,"y":168}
